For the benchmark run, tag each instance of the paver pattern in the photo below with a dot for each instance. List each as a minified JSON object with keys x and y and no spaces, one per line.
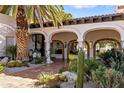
{"x":33,"y":72}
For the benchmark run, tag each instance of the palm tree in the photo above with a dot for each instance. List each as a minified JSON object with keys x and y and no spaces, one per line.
{"x":30,"y":14}
{"x":65,"y":16}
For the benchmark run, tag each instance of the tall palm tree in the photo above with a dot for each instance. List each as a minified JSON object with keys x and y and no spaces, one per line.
{"x":65,"y":16}
{"x":30,"y":14}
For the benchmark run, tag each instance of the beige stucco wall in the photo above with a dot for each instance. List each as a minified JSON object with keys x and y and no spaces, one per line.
{"x":102,"y":34}
{"x":93,"y":36}
{"x":89,"y":31}
{"x":8,"y":20}
{"x":82,"y":29}
{"x":64,"y":36}
{"x":7,"y":29}
{"x":3,"y":41}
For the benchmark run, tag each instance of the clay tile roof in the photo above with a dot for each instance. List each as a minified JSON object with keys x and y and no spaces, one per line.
{"x":85,"y":20}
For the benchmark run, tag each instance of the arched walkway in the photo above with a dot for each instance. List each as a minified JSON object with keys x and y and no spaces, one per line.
{"x":57,"y":49}
{"x":73,"y":48}
{"x":105,"y":44}
{"x":94,"y":36}
{"x":71,"y":30}
{"x":104,"y":26}
{"x":65,"y":38}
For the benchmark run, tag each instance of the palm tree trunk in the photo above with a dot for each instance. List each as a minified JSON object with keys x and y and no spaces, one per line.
{"x":22,"y":34}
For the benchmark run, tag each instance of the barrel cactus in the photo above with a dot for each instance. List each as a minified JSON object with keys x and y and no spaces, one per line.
{"x":80,"y":69}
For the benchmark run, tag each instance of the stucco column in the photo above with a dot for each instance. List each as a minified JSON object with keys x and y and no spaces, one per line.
{"x":122,"y":45}
{"x":80,"y":44}
{"x":65,"y":50}
{"x":47,"y":52}
{"x":91,"y":49}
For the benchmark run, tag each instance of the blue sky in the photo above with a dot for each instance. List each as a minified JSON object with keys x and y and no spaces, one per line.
{"x":89,"y":10}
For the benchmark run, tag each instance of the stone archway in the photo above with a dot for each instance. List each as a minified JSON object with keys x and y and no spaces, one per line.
{"x":94,"y":35}
{"x":57,"y":49}
{"x":73,"y":48}
{"x":64,"y":37}
{"x":105,"y":44}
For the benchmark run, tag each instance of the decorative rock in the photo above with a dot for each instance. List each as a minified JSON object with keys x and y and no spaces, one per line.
{"x":89,"y":84}
{"x":4,"y":61}
{"x":72,"y":77}
{"x":69,"y":84}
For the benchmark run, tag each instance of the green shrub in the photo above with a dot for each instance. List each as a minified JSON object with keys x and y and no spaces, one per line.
{"x":17,"y":63}
{"x":11,"y":63}
{"x":114,"y":59}
{"x":113,"y":53}
{"x":63,"y":69}
{"x":1,"y":68}
{"x":89,"y":65}
{"x":39,"y":60}
{"x":73,"y":66}
{"x":14,"y":63}
{"x":25,"y":64}
{"x":50,"y":80}
{"x":107,"y":78}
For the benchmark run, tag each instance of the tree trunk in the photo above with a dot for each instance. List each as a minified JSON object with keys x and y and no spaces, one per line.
{"x":22,"y":34}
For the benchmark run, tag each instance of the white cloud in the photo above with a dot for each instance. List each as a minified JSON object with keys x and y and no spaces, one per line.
{"x":83,"y":6}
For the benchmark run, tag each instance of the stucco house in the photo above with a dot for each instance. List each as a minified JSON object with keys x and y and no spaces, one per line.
{"x":91,"y":33}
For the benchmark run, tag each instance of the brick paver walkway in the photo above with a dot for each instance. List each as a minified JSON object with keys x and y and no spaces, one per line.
{"x":33,"y":72}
